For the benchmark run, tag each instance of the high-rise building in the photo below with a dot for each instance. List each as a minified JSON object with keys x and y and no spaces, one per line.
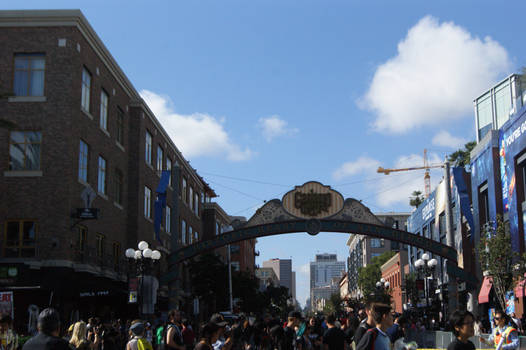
{"x":283,"y":269}
{"x":363,"y":248}
{"x":323,"y":270}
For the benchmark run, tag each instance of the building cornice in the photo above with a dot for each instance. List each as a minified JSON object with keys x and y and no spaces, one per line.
{"x":75,"y":18}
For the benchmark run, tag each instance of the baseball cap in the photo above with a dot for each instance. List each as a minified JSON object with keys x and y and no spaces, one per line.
{"x":137,"y":328}
{"x":295,"y":314}
{"x":218,"y":320}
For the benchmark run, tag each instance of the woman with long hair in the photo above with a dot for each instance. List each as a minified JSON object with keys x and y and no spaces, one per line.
{"x":209,"y":335}
{"x":78,"y":337}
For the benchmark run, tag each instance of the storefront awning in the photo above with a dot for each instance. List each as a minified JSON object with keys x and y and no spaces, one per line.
{"x":485,"y":290}
{"x":519,"y":289}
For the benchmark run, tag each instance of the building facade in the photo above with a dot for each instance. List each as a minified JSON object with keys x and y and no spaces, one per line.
{"x":267,"y":277}
{"x":393,"y":272}
{"x":283,"y":269}
{"x":78,"y":123}
{"x":363,"y":248}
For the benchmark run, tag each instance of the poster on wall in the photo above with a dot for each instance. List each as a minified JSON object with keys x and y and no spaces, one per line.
{"x":6,"y":303}
{"x":510,"y":302}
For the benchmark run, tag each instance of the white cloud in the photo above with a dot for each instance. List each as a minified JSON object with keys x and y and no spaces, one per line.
{"x":396,"y":188}
{"x":445,"y":139}
{"x":304,"y":269}
{"x":197,"y":134}
{"x":437,"y":72}
{"x":274,"y":126}
{"x":362,"y":164}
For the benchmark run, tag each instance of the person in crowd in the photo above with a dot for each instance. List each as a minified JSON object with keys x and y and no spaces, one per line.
{"x":376,"y":338}
{"x":8,"y":337}
{"x":516,"y":321}
{"x":303,"y":341}
{"x":462,"y":324}
{"x":48,"y":325}
{"x":209,"y":334}
{"x":477,"y":327}
{"x":148,"y":333}
{"x":138,"y":341}
{"x":333,"y":338}
{"x":79,"y":338}
{"x":289,"y":333}
{"x":224,"y":341}
{"x":396,"y":332}
{"x":174,"y":335}
{"x":188,"y":334}
{"x":366,"y":323}
{"x":504,"y":336}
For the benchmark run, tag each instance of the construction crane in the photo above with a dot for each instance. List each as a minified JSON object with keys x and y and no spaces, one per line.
{"x":427,"y":176}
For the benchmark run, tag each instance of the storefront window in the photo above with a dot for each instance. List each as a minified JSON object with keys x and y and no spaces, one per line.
{"x":20,"y":239}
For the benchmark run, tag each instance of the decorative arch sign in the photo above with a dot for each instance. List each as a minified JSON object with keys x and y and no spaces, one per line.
{"x":312,"y":208}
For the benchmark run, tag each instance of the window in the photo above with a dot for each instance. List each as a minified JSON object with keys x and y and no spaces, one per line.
{"x":483,"y":206}
{"x":83,"y":161}
{"x":29,"y":75}
{"x":120,"y":126}
{"x":183,"y":190}
{"x":119,"y":185}
{"x":377,"y":243}
{"x":484,"y":114}
{"x":183,"y":232}
{"x":116,"y":254}
{"x":218,"y":228}
{"x":20,"y":239}
{"x":160,"y":156}
{"x":83,"y":238}
{"x":196,"y":203}
{"x":86,"y":88}
{"x":235,"y":265}
{"x":191,"y":197}
{"x":168,"y":218}
{"x":103,"y":110}
{"x":442,"y":227}
{"x":99,"y":242}
{"x":196,"y":236}
{"x":24,"y":150}
{"x":147,"y":202}
{"x":190,"y":234}
{"x":101,"y":183}
{"x":148,"y":150}
{"x":169,"y":168}
{"x":502,"y":103}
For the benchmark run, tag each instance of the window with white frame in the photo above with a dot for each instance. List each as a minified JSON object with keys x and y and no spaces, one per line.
{"x":169,"y":168}
{"x":190,"y":234}
{"x":83,"y":161}
{"x":101,"y":183}
{"x":191,"y":197}
{"x":235,"y":265}
{"x":168,"y":218}
{"x":120,"y":126}
{"x":86,"y":89}
{"x":196,"y":203}
{"x":148,"y":148}
{"x":103,"y":110}
{"x":29,"y":75}
{"x":183,"y":190}
{"x":147,"y":202}
{"x":160,"y":156}
{"x":196,"y":236}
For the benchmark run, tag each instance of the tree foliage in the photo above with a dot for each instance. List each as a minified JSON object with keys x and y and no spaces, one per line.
{"x":498,"y":260}
{"x":371,"y":273}
{"x":209,"y":279}
{"x":411,"y":288}
{"x":416,"y":199}
{"x":334,"y":304}
{"x":461,"y":157}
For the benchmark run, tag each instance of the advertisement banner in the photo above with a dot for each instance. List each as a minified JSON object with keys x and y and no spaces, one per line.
{"x":6,"y":303}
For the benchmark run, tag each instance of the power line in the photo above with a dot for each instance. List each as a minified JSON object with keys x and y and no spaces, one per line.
{"x":240,"y":192}
{"x":246,"y":180}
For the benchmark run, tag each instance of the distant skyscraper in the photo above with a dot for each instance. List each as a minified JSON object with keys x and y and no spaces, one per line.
{"x":322,"y":271}
{"x":283,"y":269}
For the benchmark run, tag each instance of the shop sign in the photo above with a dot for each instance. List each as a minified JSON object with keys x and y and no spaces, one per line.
{"x":6,"y":303}
{"x":87,"y":213}
{"x":95,"y":294}
{"x":313,"y":200}
{"x":132,"y":297}
{"x":8,"y":272}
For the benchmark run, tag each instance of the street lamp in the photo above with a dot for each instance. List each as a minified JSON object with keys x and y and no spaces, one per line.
{"x":143,"y":258}
{"x":427,"y":266}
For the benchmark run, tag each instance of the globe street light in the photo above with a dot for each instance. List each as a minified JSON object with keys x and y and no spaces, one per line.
{"x":426,"y":266}
{"x":143,"y":258}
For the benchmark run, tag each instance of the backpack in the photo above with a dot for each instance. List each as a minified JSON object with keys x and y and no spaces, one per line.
{"x":160,"y":337}
{"x":178,"y":336}
{"x":140,"y":344}
{"x":369,"y":344}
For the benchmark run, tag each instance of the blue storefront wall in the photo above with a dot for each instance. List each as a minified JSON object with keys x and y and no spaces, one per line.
{"x":425,"y":218}
{"x":483,"y":170}
{"x":512,"y":143}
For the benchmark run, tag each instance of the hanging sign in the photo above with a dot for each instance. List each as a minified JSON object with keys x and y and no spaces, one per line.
{"x":6,"y":303}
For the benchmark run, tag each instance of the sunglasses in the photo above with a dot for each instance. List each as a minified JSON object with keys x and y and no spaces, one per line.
{"x":497,"y":318}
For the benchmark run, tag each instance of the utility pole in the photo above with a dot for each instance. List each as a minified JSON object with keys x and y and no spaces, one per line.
{"x":230,"y":300}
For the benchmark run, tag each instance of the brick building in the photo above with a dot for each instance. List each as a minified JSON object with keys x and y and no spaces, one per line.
{"x":393,"y":272}
{"x":78,"y":122}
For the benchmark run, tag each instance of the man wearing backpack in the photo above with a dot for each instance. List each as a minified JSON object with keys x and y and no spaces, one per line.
{"x":377,"y":338}
{"x":174,"y":336}
{"x":366,"y":324}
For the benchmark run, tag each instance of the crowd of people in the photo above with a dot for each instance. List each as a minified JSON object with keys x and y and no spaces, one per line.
{"x":374,"y":326}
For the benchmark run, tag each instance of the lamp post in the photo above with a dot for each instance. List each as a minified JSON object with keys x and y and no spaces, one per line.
{"x":143,"y":258}
{"x":427,"y":266}
{"x":382,"y":286}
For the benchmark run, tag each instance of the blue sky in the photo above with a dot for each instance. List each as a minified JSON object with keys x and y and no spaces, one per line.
{"x":278,"y":93}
